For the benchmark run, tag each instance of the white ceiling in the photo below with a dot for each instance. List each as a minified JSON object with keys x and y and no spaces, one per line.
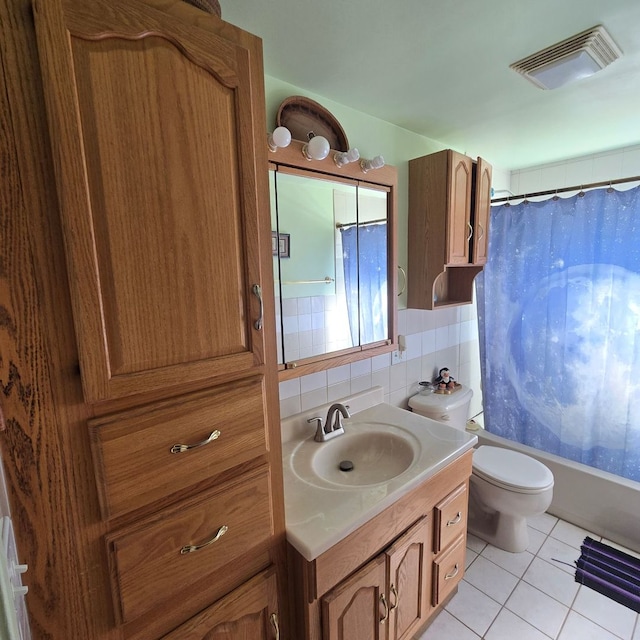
{"x":441,"y":68}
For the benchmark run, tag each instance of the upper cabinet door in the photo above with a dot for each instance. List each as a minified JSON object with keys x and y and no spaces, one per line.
{"x":459,"y":223}
{"x":481,"y":211}
{"x":157,"y":129}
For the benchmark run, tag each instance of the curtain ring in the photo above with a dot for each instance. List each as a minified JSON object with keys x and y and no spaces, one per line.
{"x":525,"y":201}
{"x":610,"y":189}
{"x":556,"y":196}
{"x":581,"y":194}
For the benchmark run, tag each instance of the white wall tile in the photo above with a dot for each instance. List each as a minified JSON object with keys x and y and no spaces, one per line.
{"x":313,"y":381}
{"x":361,"y":368}
{"x":338,"y":374}
{"x":289,"y":388}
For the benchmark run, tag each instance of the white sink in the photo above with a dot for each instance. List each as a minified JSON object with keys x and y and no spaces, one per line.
{"x":369,"y":453}
{"x":392,"y":450}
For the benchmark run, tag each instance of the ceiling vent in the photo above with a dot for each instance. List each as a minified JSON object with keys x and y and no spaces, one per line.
{"x":577,"y":57}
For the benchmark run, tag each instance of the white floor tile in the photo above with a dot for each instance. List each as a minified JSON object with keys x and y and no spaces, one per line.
{"x":578,"y":627}
{"x":603,"y":611}
{"x":537,"y":608}
{"x":536,"y":539}
{"x":550,"y":580}
{"x":544,"y":522}
{"x":446,"y":626}
{"x":515,"y":563}
{"x":491,"y":579}
{"x":474,"y":543}
{"x":559,"y":554}
{"x":508,"y":626}
{"x":473,"y":608}
{"x":570,"y":534}
{"x":636,"y":635}
{"x":469,"y":558}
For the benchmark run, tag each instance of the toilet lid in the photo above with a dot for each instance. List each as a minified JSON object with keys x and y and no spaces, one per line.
{"x":511,"y":469}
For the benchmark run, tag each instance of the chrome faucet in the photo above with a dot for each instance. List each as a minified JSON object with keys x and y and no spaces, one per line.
{"x":333,"y":426}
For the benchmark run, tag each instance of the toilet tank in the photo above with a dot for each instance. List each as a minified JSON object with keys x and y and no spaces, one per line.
{"x":450,"y":408}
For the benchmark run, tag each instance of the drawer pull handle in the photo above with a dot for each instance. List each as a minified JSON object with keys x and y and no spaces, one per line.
{"x":457,"y":519}
{"x":274,"y":624}
{"x":470,"y":231}
{"x":386,"y":609}
{"x":190,"y":548}
{"x":179,"y":448}
{"x":453,"y":574}
{"x":395,"y":597}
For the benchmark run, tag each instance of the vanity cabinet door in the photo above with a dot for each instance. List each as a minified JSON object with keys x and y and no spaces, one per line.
{"x":159,"y":162}
{"x":409,"y":571}
{"x":248,"y":613}
{"x":358,"y":608}
{"x":460,"y":169}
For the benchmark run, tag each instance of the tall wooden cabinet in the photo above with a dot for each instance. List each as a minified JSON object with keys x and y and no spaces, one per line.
{"x":449,"y":203}
{"x":138,"y":363}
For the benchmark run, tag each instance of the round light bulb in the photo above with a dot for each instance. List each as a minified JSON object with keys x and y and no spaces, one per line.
{"x":317,"y":148}
{"x":281,"y":137}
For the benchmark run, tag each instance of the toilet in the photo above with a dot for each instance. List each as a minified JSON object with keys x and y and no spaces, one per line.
{"x":506,"y":487}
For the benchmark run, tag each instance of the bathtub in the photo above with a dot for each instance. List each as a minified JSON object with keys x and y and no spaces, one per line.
{"x":600,"y":502}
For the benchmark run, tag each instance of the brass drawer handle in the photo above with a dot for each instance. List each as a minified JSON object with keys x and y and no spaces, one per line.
{"x":453,"y":574}
{"x":481,"y":232}
{"x":395,"y":596}
{"x":274,"y":624}
{"x":179,"y":448}
{"x":470,"y":231}
{"x":386,"y":609}
{"x":457,"y":519}
{"x":190,"y":548}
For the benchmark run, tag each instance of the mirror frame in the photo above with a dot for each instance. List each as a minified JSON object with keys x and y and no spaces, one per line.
{"x":385,"y":178}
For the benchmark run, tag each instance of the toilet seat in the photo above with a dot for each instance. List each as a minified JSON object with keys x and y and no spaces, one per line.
{"x":511,"y":470}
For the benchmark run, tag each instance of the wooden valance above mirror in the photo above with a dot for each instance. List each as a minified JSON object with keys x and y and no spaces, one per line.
{"x":335,"y":263}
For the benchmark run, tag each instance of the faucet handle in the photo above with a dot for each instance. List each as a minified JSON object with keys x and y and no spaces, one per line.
{"x":319,"y":428}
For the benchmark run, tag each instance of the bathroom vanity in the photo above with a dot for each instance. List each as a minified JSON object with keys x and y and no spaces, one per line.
{"x":375,"y":559}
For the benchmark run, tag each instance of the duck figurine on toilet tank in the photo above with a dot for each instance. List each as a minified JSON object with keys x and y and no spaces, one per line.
{"x":506,"y":487}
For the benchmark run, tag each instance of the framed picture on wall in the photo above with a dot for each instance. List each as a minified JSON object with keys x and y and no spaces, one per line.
{"x":280,"y":244}
{"x":283,"y":245}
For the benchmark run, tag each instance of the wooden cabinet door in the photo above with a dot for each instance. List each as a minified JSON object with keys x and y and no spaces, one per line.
{"x":409,"y":571}
{"x":248,"y":613}
{"x":357,"y":609}
{"x":157,"y":128}
{"x":481,"y":211}
{"x":459,"y":211}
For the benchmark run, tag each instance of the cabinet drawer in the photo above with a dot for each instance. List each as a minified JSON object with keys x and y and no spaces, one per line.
{"x":150,"y":561}
{"x":132,"y":449}
{"x":451,"y":517}
{"x":448,"y":570}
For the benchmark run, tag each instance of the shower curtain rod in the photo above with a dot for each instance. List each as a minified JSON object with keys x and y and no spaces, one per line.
{"x":580,"y":187}
{"x":340,"y":225}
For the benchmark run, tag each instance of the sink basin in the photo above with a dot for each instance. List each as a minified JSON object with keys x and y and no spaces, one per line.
{"x":367,"y":454}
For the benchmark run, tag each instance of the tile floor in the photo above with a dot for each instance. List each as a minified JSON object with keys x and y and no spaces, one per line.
{"x":529,"y":596}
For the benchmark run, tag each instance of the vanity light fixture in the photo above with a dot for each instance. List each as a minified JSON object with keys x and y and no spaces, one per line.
{"x":317,"y":148}
{"x":345,"y":157}
{"x":374,"y":163}
{"x":280,"y":138}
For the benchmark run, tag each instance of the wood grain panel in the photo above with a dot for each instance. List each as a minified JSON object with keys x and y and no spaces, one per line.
{"x":147,"y":558}
{"x":132,"y":449}
{"x":448,"y":570}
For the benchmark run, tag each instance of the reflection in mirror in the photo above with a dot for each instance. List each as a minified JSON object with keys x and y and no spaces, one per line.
{"x":334,"y":261}
{"x":331,"y":274}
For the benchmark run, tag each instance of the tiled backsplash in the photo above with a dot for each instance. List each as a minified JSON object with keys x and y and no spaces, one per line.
{"x":434,"y":339}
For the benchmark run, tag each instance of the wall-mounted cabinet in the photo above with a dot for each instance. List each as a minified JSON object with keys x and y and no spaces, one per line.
{"x":449,"y":201}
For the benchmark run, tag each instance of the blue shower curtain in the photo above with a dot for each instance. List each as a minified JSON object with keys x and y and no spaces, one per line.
{"x":559,"y":314}
{"x":365,"y":273}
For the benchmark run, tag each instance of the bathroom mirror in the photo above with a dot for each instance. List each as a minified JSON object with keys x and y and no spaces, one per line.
{"x":334,"y":260}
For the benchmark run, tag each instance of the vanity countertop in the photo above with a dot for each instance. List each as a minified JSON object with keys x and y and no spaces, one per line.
{"x":318,"y":515}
